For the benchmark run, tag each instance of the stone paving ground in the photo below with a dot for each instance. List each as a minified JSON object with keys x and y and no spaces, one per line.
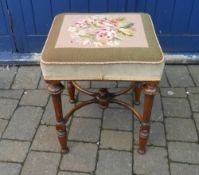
{"x":102,"y":142}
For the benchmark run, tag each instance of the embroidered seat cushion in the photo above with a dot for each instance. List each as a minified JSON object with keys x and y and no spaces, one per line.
{"x":112,"y":46}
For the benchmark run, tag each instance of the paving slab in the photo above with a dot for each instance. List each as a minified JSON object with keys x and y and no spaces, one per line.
{"x":175,"y":128}
{"x":85,"y":97}
{"x":103,"y":84}
{"x":7,"y":107}
{"x":184,"y":152}
{"x":71,"y":173}
{"x":195,"y":73}
{"x":164,"y":81}
{"x":49,"y":114}
{"x":196,"y":118}
{"x":116,"y":140}
{"x":9,"y":168}
{"x":157,"y":134}
{"x":3,"y":124}
{"x":14,"y":151}
{"x":65,"y":92}
{"x":153,"y":162}
{"x":179,"y":76}
{"x":93,"y":111}
{"x":184,"y":169}
{"x":27,"y":77}
{"x":114,"y":162}
{"x":117,"y":119}
{"x":173,"y":92}
{"x":122,"y":84}
{"x":34,"y":98}
{"x":24,"y":123}
{"x":41,"y":163}
{"x":7,"y":75}
{"x":193,"y":90}
{"x":126,"y":98}
{"x":84,"y":84}
{"x":176,"y":107}
{"x":14,"y":94}
{"x":81,"y":157}
{"x":113,"y":90}
{"x":83,"y":129}
{"x":156,"y":114}
{"x":42,"y":84}
{"x":194,"y":99}
{"x":46,"y":139}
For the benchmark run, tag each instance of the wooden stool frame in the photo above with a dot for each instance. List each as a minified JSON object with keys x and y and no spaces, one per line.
{"x":103,"y":97}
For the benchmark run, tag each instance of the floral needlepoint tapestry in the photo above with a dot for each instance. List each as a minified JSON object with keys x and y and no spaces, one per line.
{"x":101,"y":30}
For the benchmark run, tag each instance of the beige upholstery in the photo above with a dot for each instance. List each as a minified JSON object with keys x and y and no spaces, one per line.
{"x":132,"y":52}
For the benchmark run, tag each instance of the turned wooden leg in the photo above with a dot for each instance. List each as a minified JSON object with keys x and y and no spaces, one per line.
{"x":55,"y":89}
{"x":71,"y":91}
{"x":137,"y":93}
{"x":149,"y":93}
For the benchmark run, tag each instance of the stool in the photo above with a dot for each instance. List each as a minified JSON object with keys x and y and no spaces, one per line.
{"x":110,"y":47}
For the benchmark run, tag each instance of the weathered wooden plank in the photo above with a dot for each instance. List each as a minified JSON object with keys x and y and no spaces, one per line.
{"x":179,"y":43}
{"x":27,"y":12}
{"x":181,"y":16}
{"x":150,"y":7}
{"x":193,"y":26}
{"x":130,"y":5}
{"x":18,"y":25}
{"x":163,"y":15}
{"x":42,"y":13}
{"x":117,"y":5}
{"x":98,"y":6}
{"x":6,"y":43}
{"x":60,"y":6}
{"x":140,"y":5}
{"x":3,"y":28}
{"x":79,"y":5}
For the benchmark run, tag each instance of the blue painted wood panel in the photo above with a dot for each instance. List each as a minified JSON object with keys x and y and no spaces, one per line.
{"x":98,"y":6}
{"x":17,"y":20}
{"x":79,"y":5}
{"x":181,"y":16}
{"x":42,"y":11}
{"x":60,"y":6}
{"x":29,"y":19}
{"x":3,"y":28}
{"x":6,"y":37}
{"x":117,"y":5}
{"x":163,"y":16}
{"x":130,"y":5}
{"x":194,"y":19}
{"x":176,"y":21}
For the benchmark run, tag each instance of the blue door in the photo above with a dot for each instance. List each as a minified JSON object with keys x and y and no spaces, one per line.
{"x":6,"y":35}
{"x":176,"y":21}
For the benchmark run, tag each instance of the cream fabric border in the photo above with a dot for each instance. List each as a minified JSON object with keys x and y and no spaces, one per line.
{"x":138,"y":72}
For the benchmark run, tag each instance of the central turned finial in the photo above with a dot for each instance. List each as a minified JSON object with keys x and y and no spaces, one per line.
{"x":103,"y":97}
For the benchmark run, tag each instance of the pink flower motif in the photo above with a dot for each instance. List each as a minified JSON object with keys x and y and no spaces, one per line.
{"x":108,"y":23}
{"x":105,"y":34}
{"x":81,"y":23}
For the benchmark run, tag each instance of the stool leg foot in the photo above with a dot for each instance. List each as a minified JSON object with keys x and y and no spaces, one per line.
{"x":62,"y":136}
{"x":71,"y":91}
{"x":55,"y":89}
{"x":137,"y":93}
{"x":149,"y":93}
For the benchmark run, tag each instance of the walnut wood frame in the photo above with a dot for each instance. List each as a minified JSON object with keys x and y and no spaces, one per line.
{"x":103,"y":97}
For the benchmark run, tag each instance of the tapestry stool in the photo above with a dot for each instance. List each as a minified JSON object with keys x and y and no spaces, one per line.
{"x":108,"y":47}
